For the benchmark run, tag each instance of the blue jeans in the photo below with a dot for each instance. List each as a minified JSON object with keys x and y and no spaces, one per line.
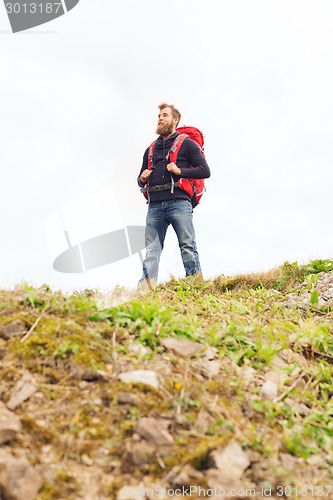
{"x":160,"y":215}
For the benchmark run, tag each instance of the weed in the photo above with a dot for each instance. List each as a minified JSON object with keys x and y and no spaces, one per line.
{"x":318,"y":266}
{"x":63,"y":351}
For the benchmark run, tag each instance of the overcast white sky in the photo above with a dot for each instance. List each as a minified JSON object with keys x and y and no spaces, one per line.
{"x":79,"y":101}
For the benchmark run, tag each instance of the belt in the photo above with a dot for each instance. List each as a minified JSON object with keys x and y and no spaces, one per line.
{"x":159,"y":187}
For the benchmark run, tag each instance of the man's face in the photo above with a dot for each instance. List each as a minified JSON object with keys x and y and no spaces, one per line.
{"x":166,"y":124}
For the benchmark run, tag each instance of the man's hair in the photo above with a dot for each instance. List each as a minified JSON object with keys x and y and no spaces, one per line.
{"x":174,"y":111}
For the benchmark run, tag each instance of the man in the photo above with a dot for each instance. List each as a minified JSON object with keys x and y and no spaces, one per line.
{"x":171,"y":205}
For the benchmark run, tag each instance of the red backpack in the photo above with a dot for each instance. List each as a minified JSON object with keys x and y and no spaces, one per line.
{"x":193,"y":187}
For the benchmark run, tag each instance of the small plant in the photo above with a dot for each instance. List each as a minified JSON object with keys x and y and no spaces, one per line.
{"x":63,"y":351}
{"x":318,"y":266}
{"x":296,"y":444}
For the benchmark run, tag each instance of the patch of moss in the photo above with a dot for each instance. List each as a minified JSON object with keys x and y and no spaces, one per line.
{"x":39,"y":435}
{"x":65,"y":485}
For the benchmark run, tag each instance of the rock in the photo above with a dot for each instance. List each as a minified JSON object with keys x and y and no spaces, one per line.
{"x":206,"y":369}
{"x":18,"y":479}
{"x":184,"y":421}
{"x":295,"y":301}
{"x":83,"y":384}
{"x":183,"y":347}
{"x":278,"y":361}
{"x":315,"y":460}
{"x":262,"y":467}
{"x":300,"y":408}
{"x":272,"y":292}
{"x":86,"y":459}
{"x":229,"y":489}
{"x":47,"y":455}
{"x":278,"y":377}
{"x":247,"y":374}
{"x":210,"y":353}
{"x":79,"y":372}
{"x":231,"y":461}
{"x":124,"y":398}
{"x":211,"y":368}
{"x":22,"y":391}
{"x":154,"y":430}
{"x":10,"y":424}
{"x":147,"y":377}
{"x":138,"y":350}
{"x":131,"y":493}
{"x":14,"y":329}
{"x":162,"y":367}
{"x":269,"y":390}
{"x":324,"y":288}
{"x":186,"y":477}
{"x":156,"y":490}
{"x":138,"y":454}
{"x":286,"y":355}
{"x":290,"y":462}
{"x":203,"y":421}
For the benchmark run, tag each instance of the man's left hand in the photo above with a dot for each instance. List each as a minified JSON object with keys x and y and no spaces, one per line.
{"x":172,"y":167}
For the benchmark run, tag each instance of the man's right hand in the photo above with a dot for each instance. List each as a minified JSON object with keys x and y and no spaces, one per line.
{"x":145,"y":175}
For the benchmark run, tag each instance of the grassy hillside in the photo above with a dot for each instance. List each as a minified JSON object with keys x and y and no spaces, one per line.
{"x":243,"y":359}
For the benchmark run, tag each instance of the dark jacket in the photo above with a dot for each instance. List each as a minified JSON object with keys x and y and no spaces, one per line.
{"x":189,"y":155}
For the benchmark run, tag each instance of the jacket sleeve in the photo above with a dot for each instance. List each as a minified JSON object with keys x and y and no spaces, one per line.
{"x":199,"y":168}
{"x":144,"y":166}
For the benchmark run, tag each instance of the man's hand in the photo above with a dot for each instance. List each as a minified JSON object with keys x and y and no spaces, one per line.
{"x":172,"y":167}
{"x":145,"y":175}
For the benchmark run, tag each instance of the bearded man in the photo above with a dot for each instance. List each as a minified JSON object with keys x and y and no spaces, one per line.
{"x":168,"y":203}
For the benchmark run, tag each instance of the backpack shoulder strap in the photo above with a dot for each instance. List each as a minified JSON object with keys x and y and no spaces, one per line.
{"x":177,"y":143}
{"x":151,"y":148}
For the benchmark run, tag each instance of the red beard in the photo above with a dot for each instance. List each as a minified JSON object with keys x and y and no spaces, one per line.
{"x":164,"y":129}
